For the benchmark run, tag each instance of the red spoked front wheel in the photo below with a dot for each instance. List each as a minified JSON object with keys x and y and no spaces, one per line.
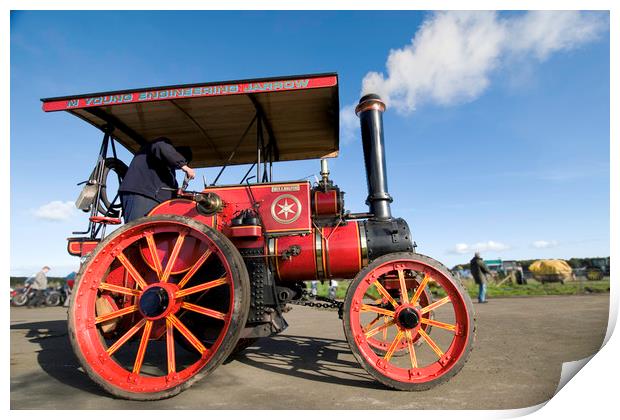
{"x":157,"y":305}
{"x":389,"y":302}
{"x":381,"y":341}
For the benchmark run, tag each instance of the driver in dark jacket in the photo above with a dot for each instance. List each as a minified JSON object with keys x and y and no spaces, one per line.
{"x":151,"y":177}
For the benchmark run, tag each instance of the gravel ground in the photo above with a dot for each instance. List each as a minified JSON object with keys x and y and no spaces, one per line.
{"x":517,"y":360}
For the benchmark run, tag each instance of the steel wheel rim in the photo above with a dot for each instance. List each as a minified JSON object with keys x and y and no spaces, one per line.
{"x":100,"y":356}
{"x":384,"y":364}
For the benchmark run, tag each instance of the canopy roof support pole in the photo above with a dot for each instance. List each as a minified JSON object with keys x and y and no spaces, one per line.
{"x":268,"y":127}
{"x":103,"y":152}
{"x":266,"y":156}
{"x":232,"y":154}
{"x":259,"y":145}
{"x":116,"y":124}
{"x":247,"y":173}
{"x":264,"y":151}
{"x":199,"y":127}
{"x":97,"y":179}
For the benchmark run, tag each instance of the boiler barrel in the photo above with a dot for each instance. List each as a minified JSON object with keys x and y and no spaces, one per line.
{"x":337,"y":251}
{"x":329,"y":252}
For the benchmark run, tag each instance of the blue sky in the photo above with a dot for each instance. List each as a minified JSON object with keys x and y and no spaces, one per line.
{"x":499,"y":144}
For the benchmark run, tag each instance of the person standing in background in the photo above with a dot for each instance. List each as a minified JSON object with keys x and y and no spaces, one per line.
{"x":480,"y":271}
{"x":313,"y":288}
{"x":333,"y":286}
{"x":39,"y":285}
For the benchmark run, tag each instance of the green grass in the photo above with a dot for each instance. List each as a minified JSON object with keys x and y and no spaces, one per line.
{"x":323,"y":289}
{"x":532,"y":288}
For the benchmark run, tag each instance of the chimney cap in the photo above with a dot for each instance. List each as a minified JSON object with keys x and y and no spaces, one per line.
{"x":370,"y":96}
{"x":368,"y":102}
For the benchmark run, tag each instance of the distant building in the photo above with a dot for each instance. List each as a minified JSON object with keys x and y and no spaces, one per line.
{"x":494,"y":265}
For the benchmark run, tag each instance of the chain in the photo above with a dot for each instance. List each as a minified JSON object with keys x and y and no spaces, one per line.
{"x":318,"y":302}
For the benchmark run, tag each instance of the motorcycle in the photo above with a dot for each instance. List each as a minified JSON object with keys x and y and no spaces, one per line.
{"x":23,"y":296}
{"x":57,"y":296}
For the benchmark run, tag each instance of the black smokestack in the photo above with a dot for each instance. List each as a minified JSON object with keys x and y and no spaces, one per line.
{"x":370,"y":111}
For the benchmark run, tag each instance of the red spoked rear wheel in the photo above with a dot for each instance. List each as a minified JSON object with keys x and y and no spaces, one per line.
{"x":157,"y":305}
{"x":389,"y":302}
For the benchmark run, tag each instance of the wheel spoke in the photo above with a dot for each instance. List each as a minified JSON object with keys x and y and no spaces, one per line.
{"x":438,"y":324}
{"x":374,"y":301}
{"x":127,"y":300}
{"x":119,"y":289}
{"x":204,"y":311}
{"x":390,"y":352}
{"x":430,"y":342}
{"x":370,"y":308}
{"x":144,"y":341}
{"x":205,"y":286}
{"x":150,"y":240}
{"x":412,"y":357}
{"x":385,"y":293}
{"x":384,"y":332}
{"x":380,"y":328}
{"x":404,"y":298}
{"x":130,"y":333}
{"x":435,"y":305}
{"x":418,"y":292}
{"x":173,"y":257}
{"x":170,"y":347}
{"x":132,"y":270}
{"x":194,"y":268}
{"x":116,"y":314}
{"x":372,"y":323}
{"x":187,"y":334}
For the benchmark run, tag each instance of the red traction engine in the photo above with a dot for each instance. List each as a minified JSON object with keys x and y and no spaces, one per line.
{"x":162,"y":301}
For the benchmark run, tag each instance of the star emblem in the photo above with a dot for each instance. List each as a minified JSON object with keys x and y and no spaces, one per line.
{"x":286,"y":208}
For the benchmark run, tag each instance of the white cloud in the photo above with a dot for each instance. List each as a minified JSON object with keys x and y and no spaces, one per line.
{"x":348,"y":123}
{"x":464,"y":248}
{"x":56,"y":211}
{"x":452,"y":56}
{"x":542,"y":33}
{"x":448,"y":61}
{"x":544,"y":244}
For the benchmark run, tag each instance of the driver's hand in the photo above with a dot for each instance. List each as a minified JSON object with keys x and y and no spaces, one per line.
{"x":191,"y":174}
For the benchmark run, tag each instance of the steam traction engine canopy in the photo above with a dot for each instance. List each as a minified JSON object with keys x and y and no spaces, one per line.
{"x":300,"y":115}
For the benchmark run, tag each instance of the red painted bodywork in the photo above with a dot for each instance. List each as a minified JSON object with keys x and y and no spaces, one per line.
{"x":265,"y":199}
{"x":183,"y":207}
{"x":326,"y":203}
{"x":80,"y":247}
{"x":286,"y":215}
{"x":342,"y":253}
{"x":251,"y":231}
{"x":105,"y":220}
{"x":329,"y":252}
{"x":298,"y":268}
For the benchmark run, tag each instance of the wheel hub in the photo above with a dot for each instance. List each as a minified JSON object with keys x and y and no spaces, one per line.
{"x":154,"y":301}
{"x":408,"y":318}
